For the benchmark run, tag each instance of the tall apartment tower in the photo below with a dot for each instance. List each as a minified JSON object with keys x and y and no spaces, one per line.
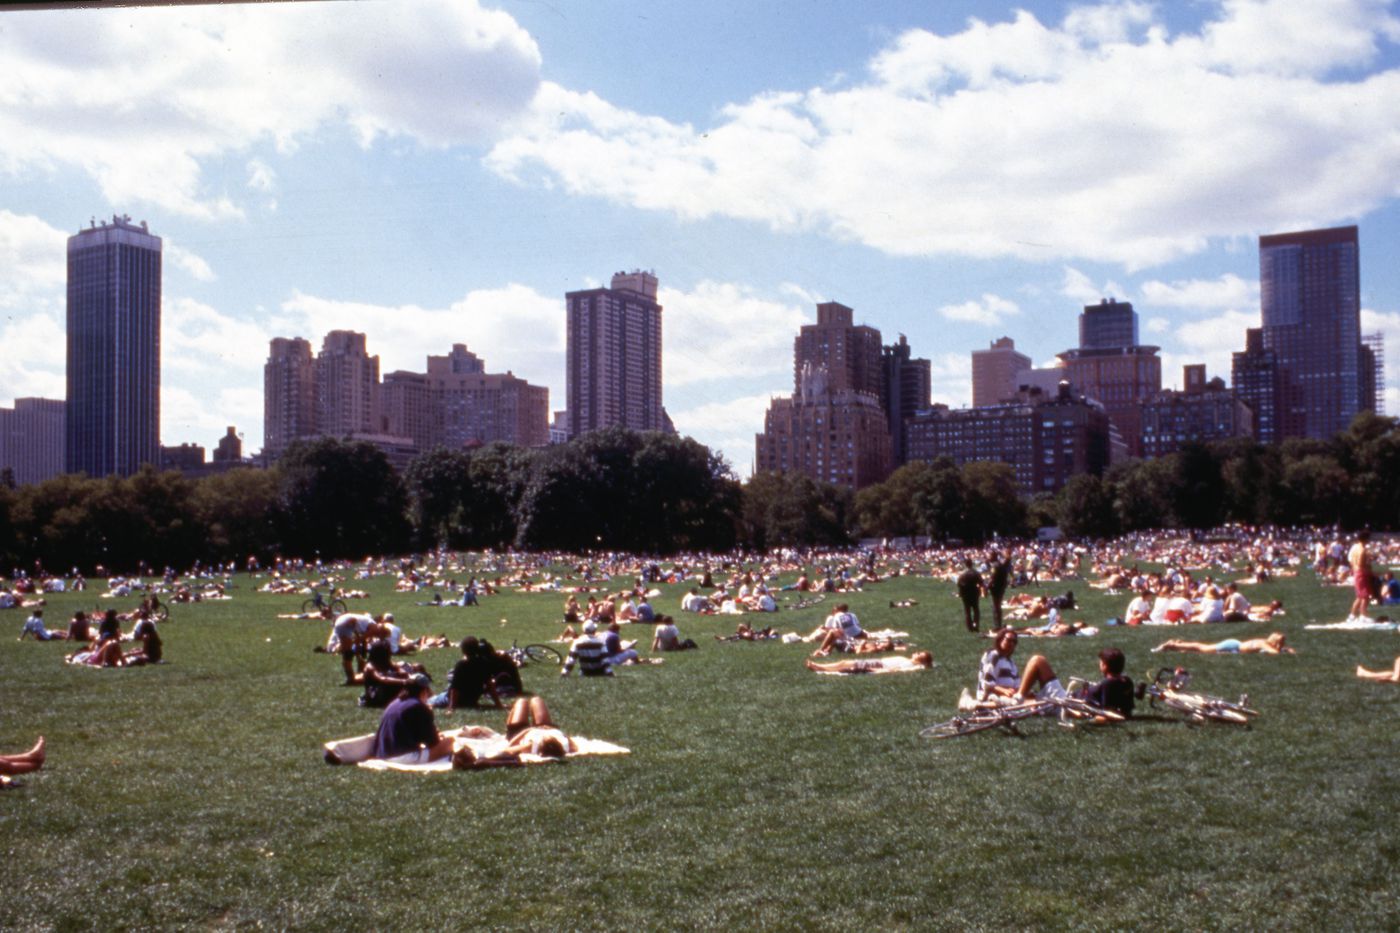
{"x":614,"y":356}
{"x":114,"y":278}
{"x":289,"y":394}
{"x":833,"y":428}
{"x":850,"y":354}
{"x":906,"y":386}
{"x":1310,"y":286}
{"x":1257,"y":381}
{"x":347,"y":378}
{"x":995,"y":372}
{"x":32,"y":438}
{"x":1111,"y":367}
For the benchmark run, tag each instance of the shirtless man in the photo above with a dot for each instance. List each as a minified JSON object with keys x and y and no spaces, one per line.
{"x":1359,"y":559}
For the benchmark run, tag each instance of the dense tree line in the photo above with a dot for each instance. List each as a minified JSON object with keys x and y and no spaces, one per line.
{"x":658,"y":493}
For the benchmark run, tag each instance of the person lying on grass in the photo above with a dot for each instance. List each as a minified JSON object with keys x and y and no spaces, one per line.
{"x":1274,"y":644}
{"x":865,"y":646}
{"x":24,"y":762}
{"x":107,"y":653}
{"x":1391,"y":676}
{"x":919,"y":661}
{"x":746,"y":632}
{"x":529,"y":730}
{"x":1056,"y":628}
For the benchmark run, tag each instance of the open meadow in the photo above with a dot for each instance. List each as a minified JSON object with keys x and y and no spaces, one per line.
{"x":756,"y":794}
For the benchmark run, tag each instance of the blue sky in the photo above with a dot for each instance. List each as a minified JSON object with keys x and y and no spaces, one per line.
{"x":438,"y":172}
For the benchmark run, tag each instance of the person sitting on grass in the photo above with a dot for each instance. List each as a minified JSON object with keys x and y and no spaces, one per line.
{"x":151,"y":650}
{"x":1274,"y":644}
{"x":919,"y":661}
{"x":667,"y":636}
{"x":1265,"y":613}
{"x":22,"y":763}
{"x":480,"y":671}
{"x":997,"y":674}
{"x":80,"y":627}
{"x":407,"y":730}
{"x":1114,"y":692}
{"x":382,"y":676}
{"x":529,"y":730}
{"x":588,"y":652}
{"x":34,"y":626}
{"x":1391,"y":676}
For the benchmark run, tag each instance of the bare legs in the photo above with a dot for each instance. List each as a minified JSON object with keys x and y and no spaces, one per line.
{"x":25,"y":762}
{"x":1390,"y":676}
{"x":1037,"y":674}
{"x":526,"y":712}
{"x":1176,"y":644}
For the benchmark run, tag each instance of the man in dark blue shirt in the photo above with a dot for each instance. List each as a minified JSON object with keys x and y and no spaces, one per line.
{"x":407,"y":726}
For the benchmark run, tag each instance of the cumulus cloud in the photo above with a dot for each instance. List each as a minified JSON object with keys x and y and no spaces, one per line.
{"x":1229,"y":292}
{"x":1081,"y":288}
{"x":1211,"y":341}
{"x":140,"y":98}
{"x":719,"y":330}
{"x":1103,"y":138}
{"x":951,"y":378}
{"x":989,"y":309}
{"x":33,"y":261}
{"x":191,"y":263}
{"x":727,"y":426}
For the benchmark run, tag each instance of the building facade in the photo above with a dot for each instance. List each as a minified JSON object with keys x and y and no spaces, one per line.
{"x":906,"y":386}
{"x":614,"y":356}
{"x":346,"y":381}
{"x":1202,"y":411}
{"x":996,"y":371}
{"x":1112,"y":368}
{"x":1045,"y":439}
{"x":1310,"y":288}
{"x":834,"y":427}
{"x":32,"y":437}
{"x":114,"y":303}
{"x":289,"y":394}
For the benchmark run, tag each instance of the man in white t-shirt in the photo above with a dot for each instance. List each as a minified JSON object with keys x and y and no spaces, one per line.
{"x":1139,"y":610}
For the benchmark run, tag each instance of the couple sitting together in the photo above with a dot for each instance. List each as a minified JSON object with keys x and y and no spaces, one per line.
{"x":999,"y":681}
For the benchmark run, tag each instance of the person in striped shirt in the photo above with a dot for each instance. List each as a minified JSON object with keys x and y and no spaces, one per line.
{"x":590,"y":654}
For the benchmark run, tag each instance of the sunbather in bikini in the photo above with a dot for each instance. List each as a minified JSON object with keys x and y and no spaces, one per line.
{"x":1274,"y":644}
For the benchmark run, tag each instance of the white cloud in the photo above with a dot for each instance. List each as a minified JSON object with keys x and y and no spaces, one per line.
{"x":140,"y":98}
{"x":1229,"y":292}
{"x":202,"y":415}
{"x":1158,"y":325}
{"x":1211,"y":341}
{"x":989,"y":310}
{"x":201,"y":344}
{"x":35,"y":356}
{"x":951,"y":378}
{"x":720,"y":331}
{"x":261,"y":177}
{"x":195,"y":265}
{"x":727,"y":426}
{"x":32,"y":260}
{"x":1082,"y":289}
{"x":1102,"y":138}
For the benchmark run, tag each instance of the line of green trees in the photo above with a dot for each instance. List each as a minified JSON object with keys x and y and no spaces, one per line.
{"x":658,"y":493}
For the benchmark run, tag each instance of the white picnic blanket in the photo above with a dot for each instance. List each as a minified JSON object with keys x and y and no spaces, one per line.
{"x":1354,"y":625}
{"x":483,"y":741}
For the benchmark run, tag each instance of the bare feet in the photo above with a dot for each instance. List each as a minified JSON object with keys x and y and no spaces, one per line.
{"x":31,"y":760}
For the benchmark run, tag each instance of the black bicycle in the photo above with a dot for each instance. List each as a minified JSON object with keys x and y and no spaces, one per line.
{"x":318,"y":603}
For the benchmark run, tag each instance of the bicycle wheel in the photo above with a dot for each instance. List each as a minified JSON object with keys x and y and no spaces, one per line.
{"x":161,"y":613}
{"x":308,"y":606}
{"x":960,"y":725}
{"x":338,"y":606}
{"x":544,"y":654}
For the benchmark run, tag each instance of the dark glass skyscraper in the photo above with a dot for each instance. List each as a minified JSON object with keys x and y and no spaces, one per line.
{"x":1310,"y":285}
{"x":114,"y":275}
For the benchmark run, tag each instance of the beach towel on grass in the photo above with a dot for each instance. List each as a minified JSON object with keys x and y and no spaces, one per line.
{"x":1355,"y":625}
{"x":484,"y":742}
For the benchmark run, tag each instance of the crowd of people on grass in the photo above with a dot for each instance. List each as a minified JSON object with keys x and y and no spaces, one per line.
{"x":1169,"y":579}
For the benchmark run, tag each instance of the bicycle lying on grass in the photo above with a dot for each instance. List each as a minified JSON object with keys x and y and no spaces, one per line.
{"x":1169,"y":689}
{"x":524,"y":654}
{"x":1068,"y":710}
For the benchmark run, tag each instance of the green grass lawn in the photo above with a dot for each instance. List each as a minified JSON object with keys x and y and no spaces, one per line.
{"x":757,"y":794}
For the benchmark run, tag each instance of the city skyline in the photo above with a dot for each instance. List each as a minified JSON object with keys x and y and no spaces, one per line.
{"x":953,"y":180}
